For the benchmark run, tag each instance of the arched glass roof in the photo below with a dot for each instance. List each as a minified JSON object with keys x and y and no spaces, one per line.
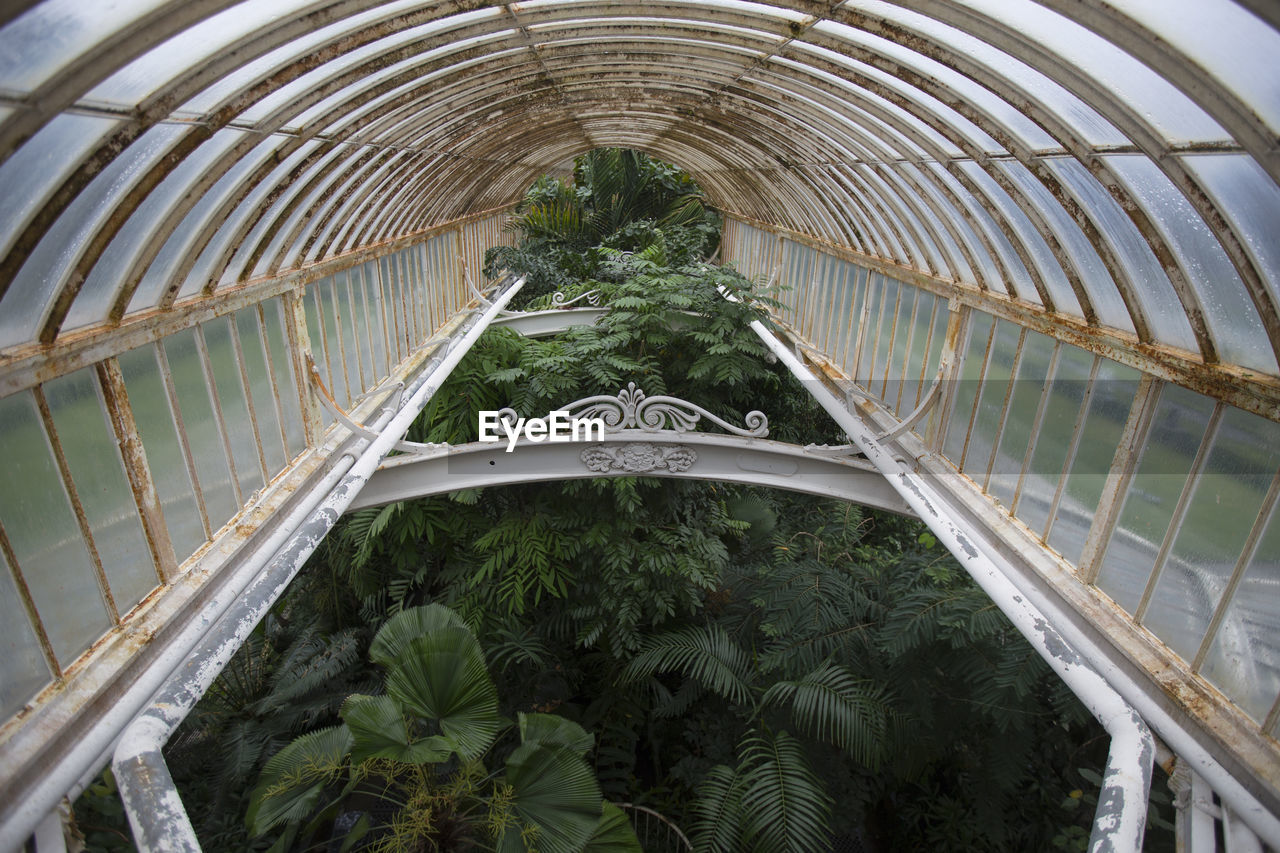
{"x":201,"y":195}
{"x":1110,"y":164}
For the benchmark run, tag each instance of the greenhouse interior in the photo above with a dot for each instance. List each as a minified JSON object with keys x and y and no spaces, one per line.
{"x":1023,"y":258}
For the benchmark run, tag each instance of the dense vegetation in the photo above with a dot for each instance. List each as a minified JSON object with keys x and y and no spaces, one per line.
{"x":770,"y":671}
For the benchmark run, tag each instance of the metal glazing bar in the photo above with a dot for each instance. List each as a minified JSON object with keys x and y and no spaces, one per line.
{"x":29,"y":605}
{"x":1129,"y":450}
{"x":215,"y":402}
{"x":115,"y":399}
{"x":1069,"y":462}
{"x":1004,"y":407}
{"x":1238,"y":572}
{"x":171,"y":395}
{"x":261,"y":324}
{"x":954,"y":350}
{"x":1046,"y":390}
{"x":294,"y":316}
{"x":1180,"y":510}
{"x":962,"y":462}
{"x":73,"y":495}
{"x":243,"y":372}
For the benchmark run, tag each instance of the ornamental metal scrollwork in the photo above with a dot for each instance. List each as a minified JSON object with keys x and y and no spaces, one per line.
{"x":631,"y":409}
{"x":559,"y":300}
{"x":639,"y":457}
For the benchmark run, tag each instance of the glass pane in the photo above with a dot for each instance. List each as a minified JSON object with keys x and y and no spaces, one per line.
{"x":1228,"y":493}
{"x":967,"y":387}
{"x":1250,"y":200}
{"x":1028,"y":389}
{"x":1161,"y":471}
{"x":377,"y":326}
{"x":1113,"y":394}
{"x":1150,"y":283}
{"x":89,"y":445}
{"x":993,"y":393}
{"x":1243,"y":660}
{"x":40,"y":165}
{"x":261,"y":391}
{"x":36,"y":44}
{"x":151,"y":412}
{"x":102,"y":286}
{"x":282,"y":369}
{"x":1228,"y":308}
{"x":235,"y":410}
{"x":212,"y":469}
{"x":45,"y":537}
{"x":34,"y":287}
{"x":343,"y":387}
{"x":1054,"y":438}
{"x":23,"y":671}
{"x":1093,"y":273}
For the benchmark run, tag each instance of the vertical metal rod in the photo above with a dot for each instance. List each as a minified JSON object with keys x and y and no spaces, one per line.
{"x":261,"y":325}
{"x":238,"y":351}
{"x":1046,"y":393}
{"x":978,"y":393}
{"x":1129,"y":450}
{"x":1180,"y":510}
{"x":956,"y":344}
{"x":998,"y":436}
{"x":1238,"y":572}
{"x":115,"y":402}
{"x":77,"y":508}
{"x":294,"y":314}
{"x":365,"y":382}
{"x":906,"y":353}
{"x":162,"y":359}
{"x":211,"y":386}
{"x":1081,"y":416}
{"x":29,"y":605}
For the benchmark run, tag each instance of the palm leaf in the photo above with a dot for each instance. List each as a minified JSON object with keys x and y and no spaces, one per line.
{"x":442,"y":677}
{"x":554,"y":795}
{"x":378,"y":730}
{"x":293,"y":779}
{"x":717,"y":813}
{"x":786,"y":806}
{"x":832,"y":705}
{"x":706,"y":653}
{"x":613,"y":834}
{"x":552,"y":730}
{"x":406,"y":626}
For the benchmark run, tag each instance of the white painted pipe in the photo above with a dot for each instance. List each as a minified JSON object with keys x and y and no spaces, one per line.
{"x":1120,"y":819}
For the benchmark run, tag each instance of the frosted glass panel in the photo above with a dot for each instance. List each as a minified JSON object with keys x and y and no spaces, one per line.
{"x":235,"y":410}
{"x":1227,"y":496}
{"x":151,"y":411}
{"x":23,"y":671}
{"x":1053,"y":441}
{"x":1174,"y":436}
{"x":46,"y":540}
{"x":253,"y":348}
{"x":967,"y":387}
{"x":1242,"y":661}
{"x":993,"y":391}
{"x":89,"y":445}
{"x":1113,"y":394}
{"x":282,"y":370}
{"x":1028,"y":389}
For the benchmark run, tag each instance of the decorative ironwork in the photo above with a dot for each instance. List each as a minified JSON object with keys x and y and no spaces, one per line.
{"x":638,"y":457}
{"x":559,"y":300}
{"x":631,"y":409}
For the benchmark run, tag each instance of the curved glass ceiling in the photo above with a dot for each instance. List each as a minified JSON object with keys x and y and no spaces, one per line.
{"x":1113,"y":165}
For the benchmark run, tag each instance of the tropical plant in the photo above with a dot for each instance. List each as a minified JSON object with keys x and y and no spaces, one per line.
{"x":419,"y":750}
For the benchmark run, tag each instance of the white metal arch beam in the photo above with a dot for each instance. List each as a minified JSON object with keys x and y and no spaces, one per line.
{"x":716,"y":457}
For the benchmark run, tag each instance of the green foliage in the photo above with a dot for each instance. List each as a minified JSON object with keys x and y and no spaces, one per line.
{"x":419,"y":748}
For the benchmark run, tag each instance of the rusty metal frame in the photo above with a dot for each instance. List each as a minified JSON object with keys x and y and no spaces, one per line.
{"x":1242,"y":388}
